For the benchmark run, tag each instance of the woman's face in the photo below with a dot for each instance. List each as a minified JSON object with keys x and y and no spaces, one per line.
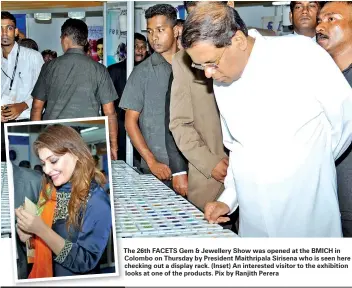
{"x":58,"y":167}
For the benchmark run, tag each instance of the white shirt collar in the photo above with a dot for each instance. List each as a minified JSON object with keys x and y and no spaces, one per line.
{"x":313,"y":38}
{"x":12,"y":53}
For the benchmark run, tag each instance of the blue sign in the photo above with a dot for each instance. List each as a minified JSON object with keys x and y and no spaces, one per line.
{"x":21,"y":22}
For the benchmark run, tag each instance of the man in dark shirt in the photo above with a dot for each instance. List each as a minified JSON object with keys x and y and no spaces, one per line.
{"x":118,"y":74}
{"x":75,"y":86}
{"x":334,"y":34}
{"x":144,"y":99}
{"x":26,"y":183}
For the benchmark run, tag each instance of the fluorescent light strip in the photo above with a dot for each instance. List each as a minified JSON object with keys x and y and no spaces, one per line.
{"x":17,"y":134}
{"x":77,"y":15}
{"x":89,"y":129}
{"x":281,"y":3}
{"x":42,"y":16}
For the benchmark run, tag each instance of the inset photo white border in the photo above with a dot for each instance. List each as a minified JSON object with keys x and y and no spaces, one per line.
{"x":11,"y":196}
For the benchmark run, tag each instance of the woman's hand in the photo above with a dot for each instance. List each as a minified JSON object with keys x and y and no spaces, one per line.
{"x":23,"y":235}
{"x":29,"y":223}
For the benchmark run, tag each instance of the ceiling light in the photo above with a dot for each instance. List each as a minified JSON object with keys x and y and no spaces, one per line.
{"x":17,"y":134}
{"x":77,"y":15}
{"x":281,"y":3}
{"x":89,"y":129}
{"x":42,"y":16}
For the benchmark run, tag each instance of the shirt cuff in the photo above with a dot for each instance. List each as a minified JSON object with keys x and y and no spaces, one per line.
{"x":179,"y":173}
{"x":29,"y":102}
{"x":60,"y":258}
{"x":229,"y":197}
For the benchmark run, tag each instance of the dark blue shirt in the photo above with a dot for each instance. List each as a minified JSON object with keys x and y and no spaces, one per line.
{"x":83,"y":249}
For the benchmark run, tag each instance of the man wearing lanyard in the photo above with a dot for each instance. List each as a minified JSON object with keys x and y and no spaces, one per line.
{"x":20,"y":68}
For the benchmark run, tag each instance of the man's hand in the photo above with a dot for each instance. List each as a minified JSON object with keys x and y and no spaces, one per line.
{"x":180,"y":184}
{"x":3,"y":119}
{"x":214,"y":211}
{"x":220,"y":170}
{"x":113,"y":153}
{"x":160,"y":170}
{"x":13,"y":111}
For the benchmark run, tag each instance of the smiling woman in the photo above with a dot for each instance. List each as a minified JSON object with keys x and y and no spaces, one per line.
{"x":74,"y":215}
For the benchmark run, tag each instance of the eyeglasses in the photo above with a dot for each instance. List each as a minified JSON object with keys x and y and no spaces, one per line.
{"x":8,"y":27}
{"x":214,"y":65}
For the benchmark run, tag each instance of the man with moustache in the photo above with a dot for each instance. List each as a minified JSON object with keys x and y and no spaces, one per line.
{"x":334,"y":34}
{"x":303,"y":17}
{"x":144,"y":100}
{"x":282,"y":142}
{"x":195,"y":125}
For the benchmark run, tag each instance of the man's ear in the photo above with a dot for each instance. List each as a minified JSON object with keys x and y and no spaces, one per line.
{"x":16,"y":32}
{"x":291,"y":17}
{"x":239,"y":40}
{"x":176,"y":31}
{"x":231,"y":4}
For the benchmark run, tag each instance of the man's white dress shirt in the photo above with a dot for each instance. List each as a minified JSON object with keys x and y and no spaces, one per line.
{"x":29,"y":65}
{"x":285,"y":121}
{"x":314,"y":38}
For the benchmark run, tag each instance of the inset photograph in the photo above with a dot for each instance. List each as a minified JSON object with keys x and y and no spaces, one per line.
{"x":62,"y":222}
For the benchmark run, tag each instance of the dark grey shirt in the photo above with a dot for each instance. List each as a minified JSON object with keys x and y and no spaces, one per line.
{"x":74,"y":86}
{"x":145,"y":92}
{"x":344,"y":179}
{"x":27,"y":183}
{"x":348,"y":74}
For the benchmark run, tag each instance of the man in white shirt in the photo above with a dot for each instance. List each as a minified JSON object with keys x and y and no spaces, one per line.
{"x":20,"y":68}
{"x":303,"y":17}
{"x":283,"y":139}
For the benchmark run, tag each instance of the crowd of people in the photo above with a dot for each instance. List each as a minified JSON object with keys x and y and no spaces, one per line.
{"x":223,"y":115}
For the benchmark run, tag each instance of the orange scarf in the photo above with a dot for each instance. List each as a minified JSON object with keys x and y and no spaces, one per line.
{"x":43,"y":265}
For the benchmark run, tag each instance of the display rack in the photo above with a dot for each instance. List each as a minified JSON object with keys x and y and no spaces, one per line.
{"x":145,"y":207}
{"x":5,"y":204}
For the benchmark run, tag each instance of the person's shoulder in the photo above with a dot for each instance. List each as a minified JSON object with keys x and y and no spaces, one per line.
{"x":31,"y":54}
{"x":98,"y":196}
{"x":182,"y":58}
{"x":26,"y":173}
{"x":140,"y":72}
{"x":180,"y":55}
{"x":144,"y":65}
{"x":293,"y":42}
{"x":118,"y":66}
